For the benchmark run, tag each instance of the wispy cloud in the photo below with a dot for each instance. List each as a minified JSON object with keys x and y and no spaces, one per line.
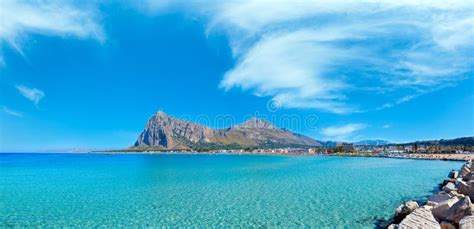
{"x":12,"y":112}
{"x":324,"y":55}
{"x":54,"y":18}
{"x":342,"y":131}
{"x":319,"y":54}
{"x":386,"y":126}
{"x":314,"y":55}
{"x":293,"y":79}
{"x":401,"y":100}
{"x":33,"y":94}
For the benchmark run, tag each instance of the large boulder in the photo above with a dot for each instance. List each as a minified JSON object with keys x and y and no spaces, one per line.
{"x":463,"y":187}
{"x":450,"y":186}
{"x":440,"y":197}
{"x":446,"y":181}
{"x":467,"y":222}
{"x":465,"y":169}
{"x":420,"y":218}
{"x":404,"y":210}
{"x":459,"y":210}
{"x":441,"y":210}
{"x":466,"y":188}
{"x":453,"y":174}
{"x":469,"y":176}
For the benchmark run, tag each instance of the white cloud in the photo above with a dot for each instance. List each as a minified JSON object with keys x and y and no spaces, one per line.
{"x":325,"y":55}
{"x":33,"y":94}
{"x":454,"y":33}
{"x":12,"y":112}
{"x":401,"y":100}
{"x":18,"y":19}
{"x":319,"y":54}
{"x":386,"y":126}
{"x":340,"y":132}
{"x":293,"y":79}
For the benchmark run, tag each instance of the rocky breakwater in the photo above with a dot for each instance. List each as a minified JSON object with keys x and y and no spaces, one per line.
{"x":448,"y":209}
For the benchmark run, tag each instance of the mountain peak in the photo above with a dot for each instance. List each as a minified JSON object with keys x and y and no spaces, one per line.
{"x":161,"y":113}
{"x":165,"y":131}
{"x":255,"y":122}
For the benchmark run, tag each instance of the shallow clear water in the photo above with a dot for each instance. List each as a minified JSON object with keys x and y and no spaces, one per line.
{"x":208,"y":190}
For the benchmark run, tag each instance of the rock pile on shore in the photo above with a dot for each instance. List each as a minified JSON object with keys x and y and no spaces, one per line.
{"x":448,"y":209}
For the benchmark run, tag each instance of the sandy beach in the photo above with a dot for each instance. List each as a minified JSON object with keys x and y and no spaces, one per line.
{"x":424,"y":156}
{"x":454,"y":157}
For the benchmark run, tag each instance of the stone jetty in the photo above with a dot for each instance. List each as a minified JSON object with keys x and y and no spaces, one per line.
{"x":450,"y":208}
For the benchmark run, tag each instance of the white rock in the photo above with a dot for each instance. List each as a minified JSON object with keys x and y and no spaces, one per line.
{"x":459,"y":210}
{"x":404,"y":210}
{"x":467,"y":222}
{"x":438,"y":198}
{"x":440,"y":211}
{"x":420,"y":218}
{"x":449,"y":187}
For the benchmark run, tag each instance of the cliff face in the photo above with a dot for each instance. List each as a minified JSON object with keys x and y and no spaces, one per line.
{"x":172,"y":133}
{"x":163,"y":131}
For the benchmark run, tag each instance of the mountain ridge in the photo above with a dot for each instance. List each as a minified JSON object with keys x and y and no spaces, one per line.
{"x":167,"y":132}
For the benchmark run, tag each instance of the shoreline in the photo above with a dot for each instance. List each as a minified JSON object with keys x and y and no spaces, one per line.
{"x":449,"y":208}
{"x":419,"y":156}
{"x":441,"y":157}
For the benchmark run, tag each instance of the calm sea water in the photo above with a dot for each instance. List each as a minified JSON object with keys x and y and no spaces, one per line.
{"x":208,"y":190}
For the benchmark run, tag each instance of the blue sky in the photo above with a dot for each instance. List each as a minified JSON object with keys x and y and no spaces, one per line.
{"x":88,"y":76}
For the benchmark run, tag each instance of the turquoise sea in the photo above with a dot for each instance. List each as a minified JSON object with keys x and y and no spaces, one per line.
{"x":92,"y":190}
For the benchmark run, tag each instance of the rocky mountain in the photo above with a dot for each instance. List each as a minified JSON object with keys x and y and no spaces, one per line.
{"x":372,"y":143}
{"x":166,"y":132}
